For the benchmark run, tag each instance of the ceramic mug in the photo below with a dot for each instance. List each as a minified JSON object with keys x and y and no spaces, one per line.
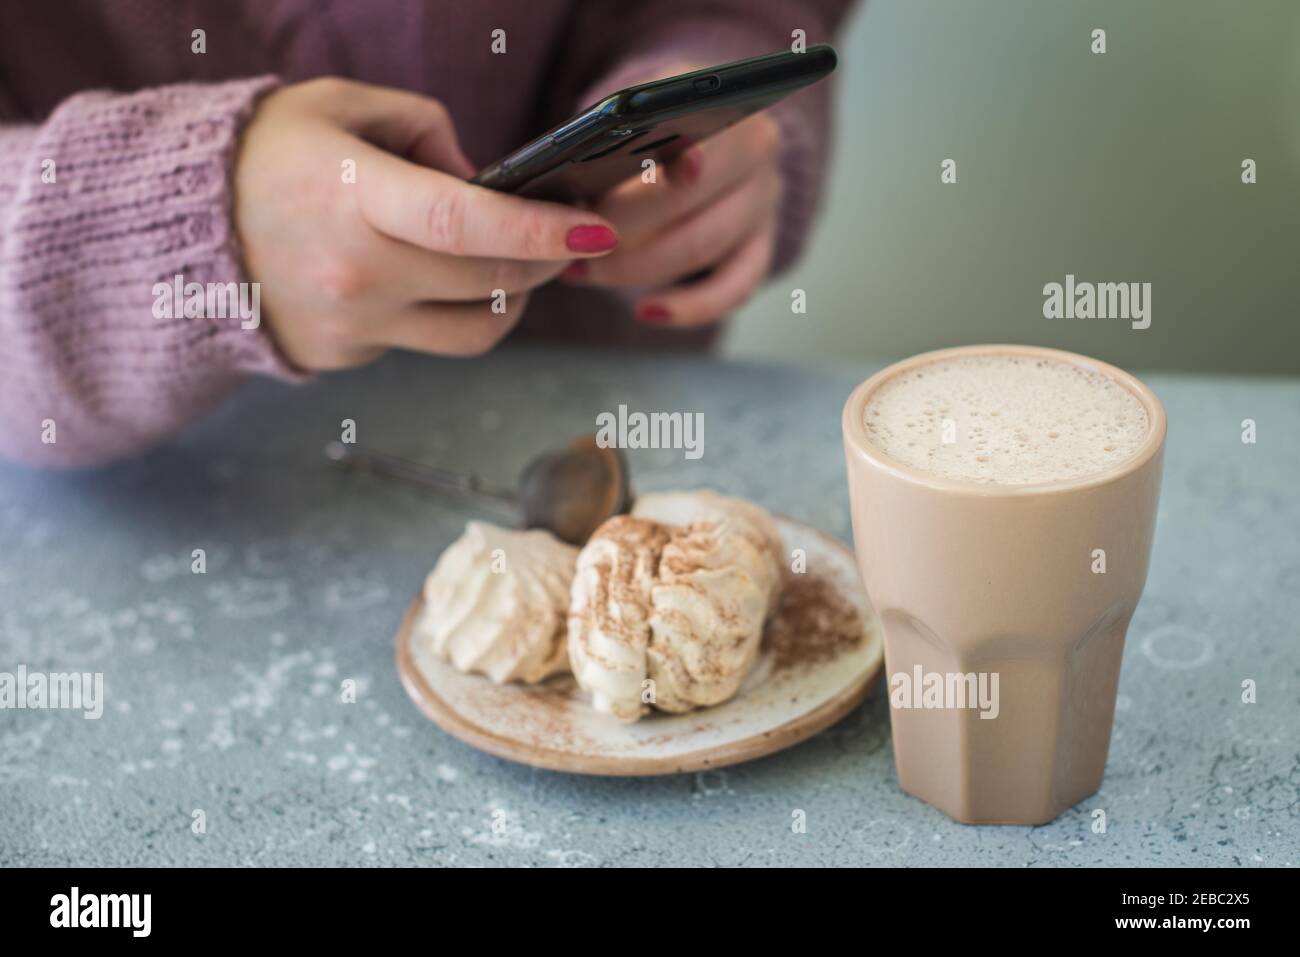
{"x":991,"y":580}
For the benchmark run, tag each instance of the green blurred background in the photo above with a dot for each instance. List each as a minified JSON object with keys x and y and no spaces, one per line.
{"x":1118,"y":167}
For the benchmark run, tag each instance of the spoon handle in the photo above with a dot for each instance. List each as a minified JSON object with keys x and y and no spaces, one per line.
{"x":391,"y":466}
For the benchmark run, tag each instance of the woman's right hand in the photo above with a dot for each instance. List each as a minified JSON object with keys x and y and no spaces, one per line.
{"x":407,"y":255}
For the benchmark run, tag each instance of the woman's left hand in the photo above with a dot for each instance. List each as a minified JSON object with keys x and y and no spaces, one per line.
{"x":714,"y":212}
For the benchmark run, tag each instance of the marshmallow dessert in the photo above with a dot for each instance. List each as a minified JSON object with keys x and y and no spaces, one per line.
{"x":820,"y":654}
{"x":496,"y":603}
{"x":1006,"y":419}
{"x":668,"y":604}
{"x":705,"y":505}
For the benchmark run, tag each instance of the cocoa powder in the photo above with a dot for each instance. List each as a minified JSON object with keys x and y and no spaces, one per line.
{"x":814,"y":623}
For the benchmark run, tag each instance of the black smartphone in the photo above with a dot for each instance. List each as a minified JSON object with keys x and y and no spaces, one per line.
{"x":610,"y":142}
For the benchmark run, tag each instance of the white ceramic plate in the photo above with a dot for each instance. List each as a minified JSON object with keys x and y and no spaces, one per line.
{"x":784,"y":700}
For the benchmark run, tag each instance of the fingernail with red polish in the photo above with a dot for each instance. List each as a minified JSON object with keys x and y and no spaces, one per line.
{"x":653,"y":312}
{"x":591,"y":239}
{"x":575,"y":270}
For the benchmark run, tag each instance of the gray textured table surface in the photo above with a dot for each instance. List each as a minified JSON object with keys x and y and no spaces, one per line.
{"x":222,"y":689}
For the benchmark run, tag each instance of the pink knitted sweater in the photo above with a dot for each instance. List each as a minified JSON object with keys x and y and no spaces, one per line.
{"x":116,"y":144}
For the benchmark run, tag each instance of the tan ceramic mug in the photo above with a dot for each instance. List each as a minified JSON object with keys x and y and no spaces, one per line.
{"x":1002,"y":580}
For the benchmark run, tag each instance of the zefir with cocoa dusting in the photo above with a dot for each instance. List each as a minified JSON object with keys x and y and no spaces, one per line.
{"x":720,"y":684}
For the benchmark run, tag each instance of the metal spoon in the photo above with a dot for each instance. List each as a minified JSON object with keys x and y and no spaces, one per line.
{"x":568,"y":491}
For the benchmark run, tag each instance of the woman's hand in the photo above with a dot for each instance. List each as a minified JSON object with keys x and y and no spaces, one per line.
{"x":716,"y":209}
{"x":407,"y":254}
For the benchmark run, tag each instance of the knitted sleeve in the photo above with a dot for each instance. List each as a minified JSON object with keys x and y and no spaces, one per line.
{"x":110,"y":199}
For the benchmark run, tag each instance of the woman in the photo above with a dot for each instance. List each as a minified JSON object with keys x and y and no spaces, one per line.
{"x":143,"y":140}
